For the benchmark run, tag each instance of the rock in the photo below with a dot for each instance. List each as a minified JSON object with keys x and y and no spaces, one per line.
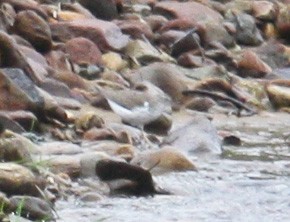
{"x":136,"y":29}
{"x":58,"y":60}
{"x":279,"y":93}
{"x":16,"y":179}
{"x":145,"y":53}
{"x":165,"y":160}
{"x":283,"y":21}
{"x":14,"y":147}
{"x":191,"y":61}
{"x":102,"y":9}
{"x":88,"y":163}
{"x":115,"y":77}
{"x":7,"y":16}
{"x":68,"y":164}
{"x":33,"y":28}
{"x":19,"y":91}
{"x":198,"y":137}
{"x":106,"y":35}
{"x":59,"y":148}
{"x":32,"y":207}
{"x":250,"y":65}
{"x":160,"y":126}
{"x":155,"y":21}
{"x":113,"y":61}
{"x":91,"y":197}
{"x":187,"y":43}
{"x":82,"y":51}
{"x":88,"y":120}
{"x":264,"y":10}
{"x":247,"y":31}
{"x":140,"y":180}
{"x":168,"y":77}
{"x":188,"y":10}
{"x":14,"y":58}
{"x":33,"y":5}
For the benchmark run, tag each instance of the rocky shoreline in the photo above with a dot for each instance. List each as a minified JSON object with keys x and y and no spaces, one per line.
{"x":63,"y":62}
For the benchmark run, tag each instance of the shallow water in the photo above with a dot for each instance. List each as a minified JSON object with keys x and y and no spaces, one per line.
{"x":250,"y":183}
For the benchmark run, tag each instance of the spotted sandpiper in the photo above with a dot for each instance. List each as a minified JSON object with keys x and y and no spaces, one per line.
{"x":138,"y":108}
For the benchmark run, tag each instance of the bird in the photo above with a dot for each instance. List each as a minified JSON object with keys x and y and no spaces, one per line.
{"x":138,"y":107}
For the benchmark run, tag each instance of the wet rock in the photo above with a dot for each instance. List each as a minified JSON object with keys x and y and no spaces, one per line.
{"x":102,"y":9}
{"x":33,"y":28}
{"x":165,"y":160}
{"x":16,"y":179}
{"x":113,"y":61}
{"x":32,"y":207}
{"x":197,"y":137}
{"x":279,"y":93}
{"x":83,"y":51}
{"x":91,"y":197}
{"x":250,"y":65}
{"x":59,"y":148}
{"x":88,"y":163}
{"x":145,"y":53}
{"x":18,"y":91}
{"x":247,"y":31}
{"x":106,"y":35}
{"x":136,"y":29}
{"x":140,"y":180}
{"x":188,"y":10}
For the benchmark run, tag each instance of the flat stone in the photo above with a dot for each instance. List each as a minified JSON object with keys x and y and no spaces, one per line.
{"x":106,"y":35}
{"x":187,"y":10}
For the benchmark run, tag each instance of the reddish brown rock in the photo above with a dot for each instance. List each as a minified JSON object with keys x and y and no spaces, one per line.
{"x":20,"y":5}
{"x":58,"y":60}
{"x":135,"y":29}
{"x":11,"y":56}
{"x":283,"y":21}
{"x":190,"y":60}
{"x":264,"y":10}
{"x":17,"y":91}
{"x":83,"y":51}
{"x":187,"y":10}
{"x":33,"y":28}
{"x":155,"y":21}
{"x":106,"y":35}
{"x":250,"y":65}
